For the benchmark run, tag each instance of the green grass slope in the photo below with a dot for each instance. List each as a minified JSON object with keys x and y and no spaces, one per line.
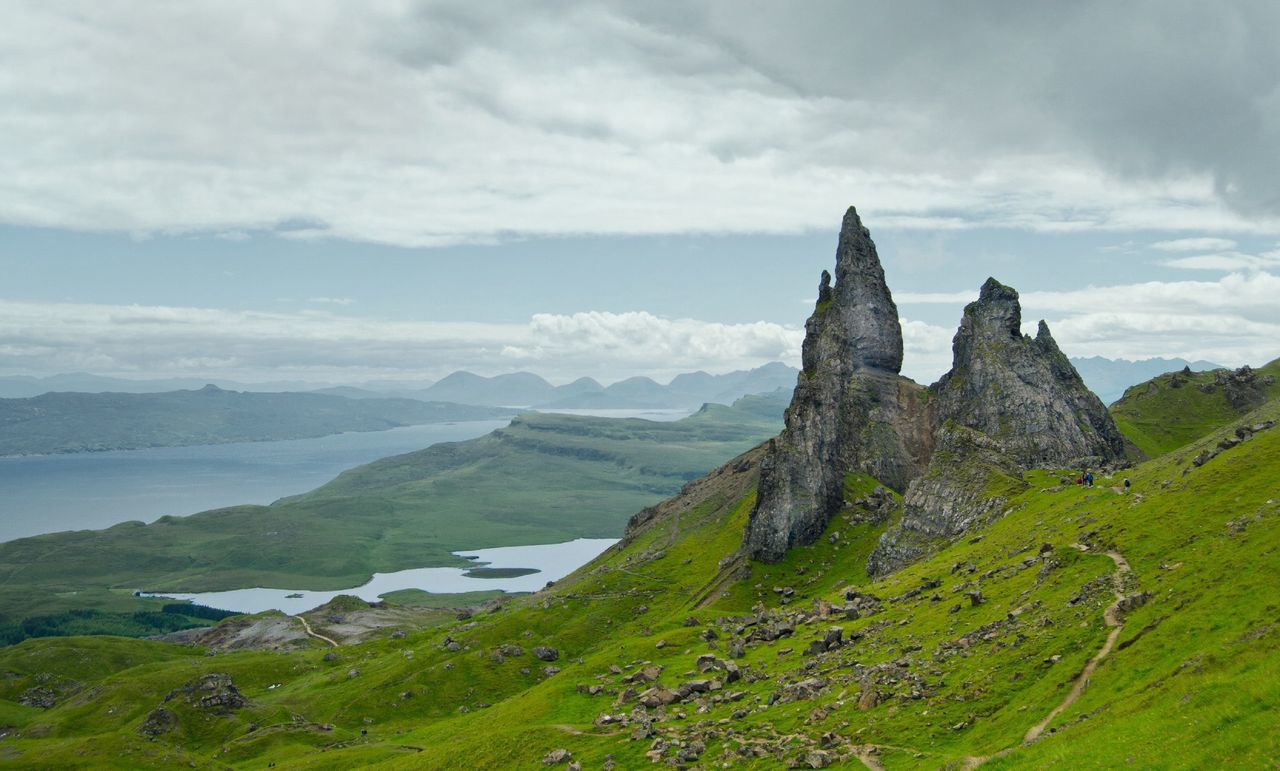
{"x":1170,"y":410}
{"x":545,"y":478}
{"x":950,"y":663}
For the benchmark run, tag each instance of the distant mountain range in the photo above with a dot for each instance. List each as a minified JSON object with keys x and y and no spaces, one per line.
{"x":80,"y":422}
{"x":26,"y":386}
{"x":519,"y":389}
{"x":1108,"y":378}
{"x":691,"y":390}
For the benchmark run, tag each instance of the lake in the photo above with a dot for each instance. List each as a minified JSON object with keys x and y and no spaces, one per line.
{"x":550,"y":561}
{"x":92,"y":490}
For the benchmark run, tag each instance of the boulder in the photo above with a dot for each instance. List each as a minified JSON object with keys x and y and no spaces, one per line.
{"x":160,"y":721}
{"x":556,"y":757}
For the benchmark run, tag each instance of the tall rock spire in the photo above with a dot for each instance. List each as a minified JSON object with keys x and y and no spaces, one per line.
{"x":850,"y":410}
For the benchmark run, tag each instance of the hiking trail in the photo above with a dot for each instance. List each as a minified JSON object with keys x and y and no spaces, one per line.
{"x":1112,"y":618}
{"x":316,"y":635}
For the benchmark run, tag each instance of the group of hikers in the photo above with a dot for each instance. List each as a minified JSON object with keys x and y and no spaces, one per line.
{"x":1086,"y":479}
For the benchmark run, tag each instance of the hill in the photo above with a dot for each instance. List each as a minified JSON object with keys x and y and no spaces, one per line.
{"x":1169,"y":411}
{"x":543,"y":479}
{"x":669,"y":646}
{"x":84,"y":422}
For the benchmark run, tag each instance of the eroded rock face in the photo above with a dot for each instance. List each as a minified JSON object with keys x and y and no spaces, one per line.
{"x":966,"y":487}
{"x":851,"y":411}
{"x":1022,"y":391}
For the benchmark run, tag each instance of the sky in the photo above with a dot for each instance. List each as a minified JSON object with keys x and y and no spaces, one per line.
{"x":339,"y":191}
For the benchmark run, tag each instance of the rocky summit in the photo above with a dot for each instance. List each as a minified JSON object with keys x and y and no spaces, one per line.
{"x":851,"y":410}
{"x":1022,"y":391}
{"x":1009,"y":402}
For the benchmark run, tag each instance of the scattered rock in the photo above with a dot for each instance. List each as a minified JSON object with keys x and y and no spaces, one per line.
{"x":39,"y":697}
{"x":214,"y":692}
{"x":556,"y":757}
{"x":160,"y":721}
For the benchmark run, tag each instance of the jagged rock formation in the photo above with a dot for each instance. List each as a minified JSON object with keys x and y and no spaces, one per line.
{"x":967,"y":486}
{"x":850,"y":410}
{"x":1242,"y":388}
{"x":1009,"y":402}
{"x":1022,"y":391}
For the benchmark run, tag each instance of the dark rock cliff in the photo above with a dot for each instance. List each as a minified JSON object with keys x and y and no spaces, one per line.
{"x":967,"y":485}
{"x":850,"y":410}
{"x":1009,"y":402}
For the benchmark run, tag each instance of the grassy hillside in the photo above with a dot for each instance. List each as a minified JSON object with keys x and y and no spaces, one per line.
{"x":544,"y":479}
{"x":990,"y":653}
{"x":1168,"y":411}
{"x":81,"y":422}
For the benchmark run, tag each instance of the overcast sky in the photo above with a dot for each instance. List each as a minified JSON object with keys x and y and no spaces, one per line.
{"x":342,"y":191}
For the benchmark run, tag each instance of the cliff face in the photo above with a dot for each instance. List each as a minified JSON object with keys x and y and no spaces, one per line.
{"x":850,"y":410}
{"x":966,"y":486}
{"x":1009,"y":402}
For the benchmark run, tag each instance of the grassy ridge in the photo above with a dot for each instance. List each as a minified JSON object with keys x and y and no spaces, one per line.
{"x":1167,"y":412}
{"x":1192,"y":681}
{"x":544,"y":479}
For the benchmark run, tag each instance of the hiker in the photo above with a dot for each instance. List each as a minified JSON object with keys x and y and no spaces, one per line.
{"x":1127,"y":484}
{"x":1088,"y":478}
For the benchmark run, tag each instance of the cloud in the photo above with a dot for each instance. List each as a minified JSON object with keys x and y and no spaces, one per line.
{"x":1234,"y":320}
{"x":926,"y":350}
{"x":1226,"y":262}
{"x":444,"y":122}
{"x":330,"y":300}
{"x":1194,"y":245}
{"x":317,"y":345}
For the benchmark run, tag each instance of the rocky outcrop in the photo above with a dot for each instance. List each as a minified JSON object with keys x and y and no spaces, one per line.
{"x":214,"y":692}
{"x":967,"y":486}
{"x":851,"y":411}
{"x":1244,"y":389}
{"x":1022,"y":391}
{"x":1009,"y":402}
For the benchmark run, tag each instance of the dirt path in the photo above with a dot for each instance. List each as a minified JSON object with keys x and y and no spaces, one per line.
{"x":868,"y":758}
{"x":307,"y":627}
{"x":1112,"y":618}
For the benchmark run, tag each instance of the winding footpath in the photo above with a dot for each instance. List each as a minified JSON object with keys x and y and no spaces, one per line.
{"x":1112,"y":618}
{"x":867,"y":753}
{"x":307,"y":627}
